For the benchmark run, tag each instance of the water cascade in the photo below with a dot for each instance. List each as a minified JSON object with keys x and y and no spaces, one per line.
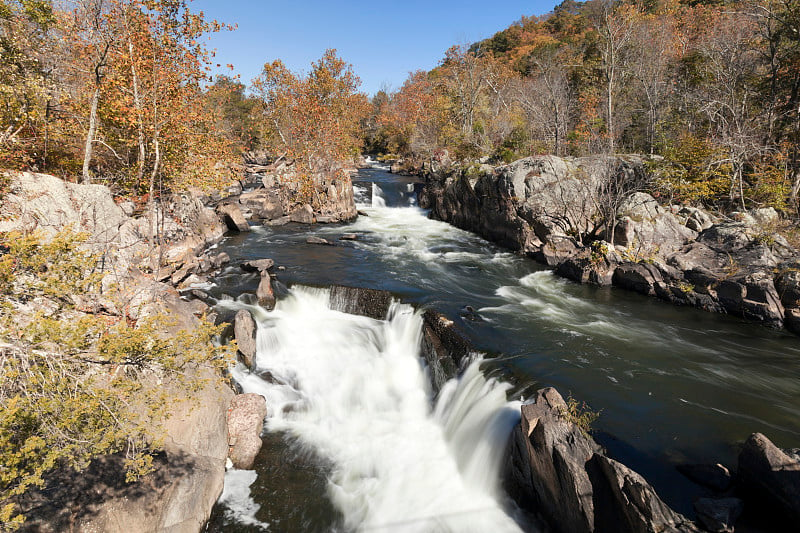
{"x":353,"y":391}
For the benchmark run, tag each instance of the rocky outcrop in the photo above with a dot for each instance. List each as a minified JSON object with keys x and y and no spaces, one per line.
{"x":555,"y":469}
{"x":245,"y":422}
{"x":280,"y":197}
{"x":179,"y":494}
{"x":770,"y":477}
{"x":558,"y":210}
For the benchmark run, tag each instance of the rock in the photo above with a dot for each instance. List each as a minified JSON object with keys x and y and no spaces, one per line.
{"x":716,"y":476}
{"x":547,"y":466}
{"x":245,"y":422}
{"x":244,"y":331}
{"x":324,"y":219}
{"x":719,"y":516}
{"x":637,"y":277}
{"x":317,"y":240}
{"x":129,"y":208}
{"x":264,"y":293}
{"x":348,"y":237}
{"x":282,"y":221}
{"x":191,"y":282}
{"x":787,"y":284}
{"x":696,"y":219}
{"x":258,"y":265}
{"x":791,"y":320}
{"x":50,"y":204}
{"x":220,"y":259}
{"x":358,"y":301}
{"x":443,"y":347}
{"x":303,"y":214}
{"x":765,"y":216}
{"x":233,"y":218}
{"x":554,"y":468}
{"x":768,"y":475}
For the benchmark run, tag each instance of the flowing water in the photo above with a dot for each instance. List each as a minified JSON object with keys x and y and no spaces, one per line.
{"x":357,"y":443}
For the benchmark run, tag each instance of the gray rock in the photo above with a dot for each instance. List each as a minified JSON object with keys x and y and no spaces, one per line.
{"x":348,"y":237}
{"x":556,"y":469}
{"x":719,"y":516}
{"x":765,"y":216}
{"x":637,"y":277}
{"x":233,"y":218}
{"x":244,"y":331}
{"x":258,"y":265}
{"x":264,"y":293}
{"x":220,"y":259}
{"x":768,"y":474}
{"x":303,"y":214}
{"x":317,"y":240}
{"x":358,"y":301}
{"x":245,"y":422}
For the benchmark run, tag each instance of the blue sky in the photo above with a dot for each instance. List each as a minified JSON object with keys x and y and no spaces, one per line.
{"x":383,"y":41}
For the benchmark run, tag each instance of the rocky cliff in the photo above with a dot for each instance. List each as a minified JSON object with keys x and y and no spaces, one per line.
{"x":179,"y":494}
{"x":590,"y":219}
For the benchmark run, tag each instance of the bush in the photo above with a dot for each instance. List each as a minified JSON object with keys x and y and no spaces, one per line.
{"x":74,"y":386}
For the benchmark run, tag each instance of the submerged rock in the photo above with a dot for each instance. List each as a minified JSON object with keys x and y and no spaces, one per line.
{"x":317,"y":240}
{"x":719,"y":516}
{"x":715,"y":476}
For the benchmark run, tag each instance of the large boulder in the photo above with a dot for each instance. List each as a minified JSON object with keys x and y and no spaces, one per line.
{"x":233,"y":217}
{"x":639,"y":277}
{"x":770,"y":476}
{"x":244,"y":331}
{"x":245,"y":422}
{"x":264,"y":292}
{"x":47,"y":203}
{"x":303,"y":214}
{"x":554,"y":468}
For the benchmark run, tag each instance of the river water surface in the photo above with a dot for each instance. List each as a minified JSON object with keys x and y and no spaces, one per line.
{"x":355,"y":445}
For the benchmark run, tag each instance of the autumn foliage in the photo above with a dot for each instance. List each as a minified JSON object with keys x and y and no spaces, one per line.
{"x":313,"y":120}
{"x":712,"y":87}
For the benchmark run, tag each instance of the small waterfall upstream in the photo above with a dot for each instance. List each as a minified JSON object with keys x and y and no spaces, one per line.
{"x":353,"y":391}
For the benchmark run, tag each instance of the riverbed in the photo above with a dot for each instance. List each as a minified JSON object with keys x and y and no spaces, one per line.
{"x":672,"y":385}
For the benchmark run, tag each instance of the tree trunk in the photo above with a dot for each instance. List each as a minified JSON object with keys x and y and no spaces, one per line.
{"x":87,"y":154}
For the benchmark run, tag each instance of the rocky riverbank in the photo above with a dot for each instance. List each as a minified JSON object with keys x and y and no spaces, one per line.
{"x":590,"y":220}
{"x":179,"y":494}
{"x":272,"y":194}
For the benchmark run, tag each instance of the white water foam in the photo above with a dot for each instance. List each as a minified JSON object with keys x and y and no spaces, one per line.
{"x":378,"y":200}
{"x":353,"y":391}
{"x":239,"y":505}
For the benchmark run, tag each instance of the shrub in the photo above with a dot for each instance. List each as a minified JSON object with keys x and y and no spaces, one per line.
{"x":75,"y":386}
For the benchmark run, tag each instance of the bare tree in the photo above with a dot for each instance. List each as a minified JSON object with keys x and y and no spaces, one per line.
{"x":547,"y":98}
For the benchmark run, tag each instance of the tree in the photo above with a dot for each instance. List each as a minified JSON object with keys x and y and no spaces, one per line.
{"x":546,"y":96}
{"x":314,"y":120}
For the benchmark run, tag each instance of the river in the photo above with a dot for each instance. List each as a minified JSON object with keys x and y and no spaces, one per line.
{"x":356,"y":445}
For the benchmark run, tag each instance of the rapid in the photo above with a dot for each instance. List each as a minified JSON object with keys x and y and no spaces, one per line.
{"x":364,"y":446}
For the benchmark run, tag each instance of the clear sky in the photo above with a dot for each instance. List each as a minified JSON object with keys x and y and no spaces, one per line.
{"x":384,"y":41}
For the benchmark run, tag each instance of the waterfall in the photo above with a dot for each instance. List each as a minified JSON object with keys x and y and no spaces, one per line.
{"x":352,"y":390}
{"x":378,"y":199}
